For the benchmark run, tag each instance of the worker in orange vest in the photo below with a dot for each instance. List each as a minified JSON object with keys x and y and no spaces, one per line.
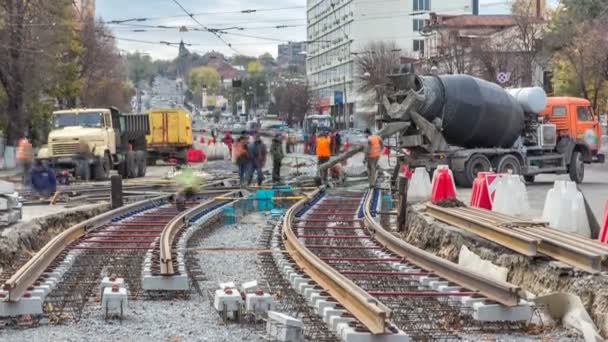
{"x":372,"y":154}
{"x":24,"y":158}
{"x":323,"y":153}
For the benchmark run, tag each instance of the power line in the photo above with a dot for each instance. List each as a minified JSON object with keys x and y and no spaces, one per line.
{"x":215,"y":33}
{"x":243,"y":11}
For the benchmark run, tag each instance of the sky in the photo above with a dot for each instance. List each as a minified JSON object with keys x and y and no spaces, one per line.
{"x":260,"y":34}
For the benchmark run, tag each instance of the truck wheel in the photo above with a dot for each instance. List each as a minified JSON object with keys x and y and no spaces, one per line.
{"x":131,"y":165}
{"x":477,"y":163}
{"x":103,"y":165}
{"x":576,"y":169}
{"x":151,"y":160}
{"x":529,"y":179}
{"x":122,"y":169}
{"x":140,"y":159}
{"x":507,"y":163}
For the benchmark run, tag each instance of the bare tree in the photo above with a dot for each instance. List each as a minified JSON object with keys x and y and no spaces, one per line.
{"x":293,"y":100}
{"x":374,"y":64}
{"x":453,"y":56}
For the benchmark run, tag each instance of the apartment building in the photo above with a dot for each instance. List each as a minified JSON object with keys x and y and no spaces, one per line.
{"x":292,"y":53}
{"x":337,"y":30}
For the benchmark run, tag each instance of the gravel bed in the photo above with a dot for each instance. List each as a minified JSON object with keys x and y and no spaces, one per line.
{"x":177,"y":319}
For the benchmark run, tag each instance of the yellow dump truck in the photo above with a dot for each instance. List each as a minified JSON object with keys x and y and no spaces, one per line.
{"x":170,"y":134}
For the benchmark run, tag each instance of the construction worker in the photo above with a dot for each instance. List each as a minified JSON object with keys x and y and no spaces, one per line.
{"x":242,"y":158}
{"x":43,"y":179}
{"x":259,"y":152}
{"x":24,"y":158}
{"x":276,"y":150}
{"x":373,"y":149}
{"x":323,"y":150}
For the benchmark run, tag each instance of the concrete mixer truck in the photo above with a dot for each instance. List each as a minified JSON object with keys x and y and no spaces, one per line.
{"x":474,"y":125}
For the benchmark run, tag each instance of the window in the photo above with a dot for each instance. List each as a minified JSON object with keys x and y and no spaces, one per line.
{"x":418,"y":24}
{"x":422,"y":5}
{"x":559,"y":111}
{"x":584,"y":114}
{"x":419,"y":45}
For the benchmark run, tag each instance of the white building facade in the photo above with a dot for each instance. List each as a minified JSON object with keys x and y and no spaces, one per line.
{"x":337,"y":30}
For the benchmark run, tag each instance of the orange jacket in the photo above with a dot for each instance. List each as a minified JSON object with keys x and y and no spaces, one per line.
{"x":323,"y":147}
{"x":375,"y":146}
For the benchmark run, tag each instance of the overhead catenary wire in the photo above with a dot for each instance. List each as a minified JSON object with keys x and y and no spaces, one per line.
{"x":215,"y":33}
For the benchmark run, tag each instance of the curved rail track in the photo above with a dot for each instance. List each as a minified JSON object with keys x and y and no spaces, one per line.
{"x":385,"y":283}
{"x":66,"y":272}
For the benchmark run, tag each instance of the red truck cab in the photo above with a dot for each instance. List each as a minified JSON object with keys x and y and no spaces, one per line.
{"x":574,"y":118}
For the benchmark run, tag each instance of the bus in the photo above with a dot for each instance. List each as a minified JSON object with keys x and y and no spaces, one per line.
{"x":317,"y":122}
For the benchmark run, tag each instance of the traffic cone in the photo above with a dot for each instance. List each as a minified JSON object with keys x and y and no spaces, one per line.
{"x":604,"y":230}
{"x":480,"y":195}
{"x":443,"y":186}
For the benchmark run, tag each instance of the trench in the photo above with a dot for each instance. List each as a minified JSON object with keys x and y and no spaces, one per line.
{"x":538,"y":275}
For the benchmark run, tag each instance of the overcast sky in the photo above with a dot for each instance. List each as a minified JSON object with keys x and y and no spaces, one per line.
{"x":218,"y":14}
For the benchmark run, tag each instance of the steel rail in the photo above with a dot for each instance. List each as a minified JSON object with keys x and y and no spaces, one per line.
{"x":585,"y":254}
{"x":364,"y":307}
{"x":499,"y":291}
{"x":18,"y":284}
{"x":178,"y":223}
{"x":521,"y":243}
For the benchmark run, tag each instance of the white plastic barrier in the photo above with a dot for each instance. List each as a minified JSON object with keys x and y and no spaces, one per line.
{"x":420,"y":187}
{"x":218,"y":151}
{"x":565,"y":209}
{"x":511,"y":196}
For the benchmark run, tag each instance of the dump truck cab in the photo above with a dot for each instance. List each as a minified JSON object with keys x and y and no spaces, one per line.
{"x":89,"y":142}
{"x":575,"y":121}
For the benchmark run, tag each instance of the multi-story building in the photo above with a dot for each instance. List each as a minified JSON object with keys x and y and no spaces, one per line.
{"x":337,"y":30}
{"x":292,"y":53}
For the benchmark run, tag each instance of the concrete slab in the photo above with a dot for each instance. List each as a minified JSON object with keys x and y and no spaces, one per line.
{"x":172,"y":283}
{"x":351,"y":335}
{"x":24,"y":306}
{"x":500,"y":313}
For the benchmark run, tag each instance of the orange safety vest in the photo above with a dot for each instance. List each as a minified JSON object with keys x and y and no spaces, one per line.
{"x":323,"y":144}
{"x":375,"y":146}
{"x":24,"y":149}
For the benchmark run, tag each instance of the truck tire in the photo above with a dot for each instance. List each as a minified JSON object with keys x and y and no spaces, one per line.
{"x":122,"y":169}
{"x":102,"y":168}
{"x":508,"y":162}
{"x":576,"y":169}
{"x":477,"y":163}
{"x":131,"y":165}
{"x":151,"y":159}
{"x":140,"y":159}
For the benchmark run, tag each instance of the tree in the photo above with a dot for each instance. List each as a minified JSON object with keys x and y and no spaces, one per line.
{"x":454,"y":56}
{"x":28,"y":50}
{"x":242,"y":60}
{"x":374,"y":64}
{"x":254,"y":67}
{"x":103,"y":71}
{"x":293,"y":102}
{"x":203,"y":77}
{"x":141,"y":68}
{"x":580,"y":51}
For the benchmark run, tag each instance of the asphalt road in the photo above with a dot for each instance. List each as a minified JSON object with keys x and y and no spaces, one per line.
{"x":594,"y":187}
